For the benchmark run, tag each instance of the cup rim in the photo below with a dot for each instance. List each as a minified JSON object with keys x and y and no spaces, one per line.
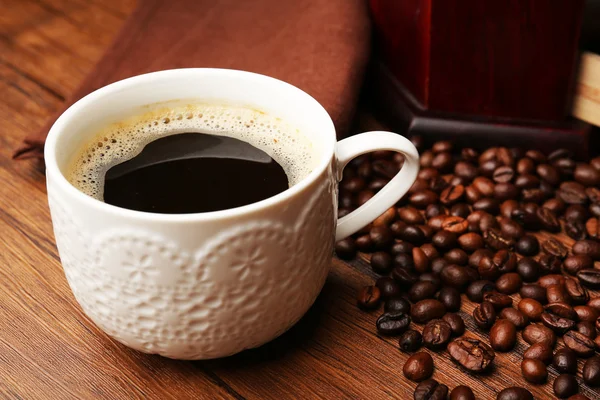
{"x":63,"y":121}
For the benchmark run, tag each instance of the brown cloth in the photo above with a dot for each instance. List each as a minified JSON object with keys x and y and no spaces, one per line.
{"x":321,"y":46}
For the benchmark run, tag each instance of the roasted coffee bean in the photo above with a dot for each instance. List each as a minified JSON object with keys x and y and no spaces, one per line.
{"x":527,"y":245}
{"x":444,"y":240}
{"x":418,"y":367}
{"x":452,"y":194}
{"x":496,"y":240}
{"x":511,"y":229}
{"x":507,"y":208}
{"x":388,"y":287}
{"x":397,"y":228}
{"x":535,"y":292}
{"x":515,"y":316}
{"x":528,"y":269}
{"x":565,"y":361}
{"x":572,"y":193}
{"x":404,"y":261}
{"x":549,"y":264}
{"x":505,"y":260}
{"x":462,"y":392}
{"x":548,"y":173}
{"x":455,"y":276}
{"x":514,"y":393}
{"x":436,"y":222}
{"x":471,"y":354}
{"x":369,"y":297}
{"x":438,"y":265}
{"x":392,"y":323}
{"x":527,"y":181}
{"x":436,"y":334}
{"x":589,"y":278}
{"x":488,"y":205}
{"x":557,"y":294}
{"x":386,"y":218}
{"x":576,"y":213}
{"x":554,"y":247}
{"x":431,"y":277}
{"x":555,"y":205}
{"x":472,"y":195}
{"x":487,"y":168}
{"x":586,"y":313}
{"x":485,"y":186}
{"x":345,"y":249}
{"x":592,"y":227}
{"x":498,"y":300}
{"x":434,"y":210}
{"x":590,"y":248}
{"x":404,"y":276}
{"x":587,"y":175}
{"x":551,"y":279}
{"x":594,"y":303}
{"x":382,"y":237}
{"x":587,"y":329}
{"x":575,"y":230}
{"x":410,"y":215}
{"x":470,"y":241}
{"x":430,"y":251}
{"x":558,"y":154}
{"x":473,"y":275}
{"x":509,"y":283}
{"x":591,"y":372}
{"x":503,"y":174}
{"x":364,"y":243}
{"x":469,"y":154}
{"x":488,"y":269}
{"x":457,"y":324}
{"x":531,"y":308}
{"x":503,"y":335}
{"x":579,"y":343}
{"x":481,"y":221}
{"x":450,"y":298}
{"x":536,"y":333}
{"x":477,"y":289}
{"x":381,"y":262}
{"x":533,"y":195}
{"x":539,"y":351}
{"x":574,"y":264}
{"x":595,"y":209}
{"x":484,"y":315}
{"x":527,"y":219}
{"x":534,"y":371}
{"x":428,"y":173}
{"x":465,"y":170}
{"x":426,"y":158}
{"x":455,"y":224}
{"x":412,"y":234}
{"x":420,"y":260}
{"x":559,"y":317}
{"x":427,"y":231}
{"x":423,"y":198}
{"x":421,"y":290}
{"x":426,"y":310}
{"x":593,"y":194}
{"x":410,"y":341}
{"x":442,"y":162}
{"x":565,"y":385}
{"x":548,"y":220}
{"x":401,"y":246}
{"x":577,"y":293}
{"x":457,"y":256}
{"x":396,"y":305}
{"x":430,"y":390}
{"x":477,"y":255}
{"x":525,"y":166}
{"x":506,"y":191}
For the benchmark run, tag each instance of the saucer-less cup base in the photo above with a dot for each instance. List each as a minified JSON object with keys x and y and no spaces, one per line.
{"x":208,"y":285}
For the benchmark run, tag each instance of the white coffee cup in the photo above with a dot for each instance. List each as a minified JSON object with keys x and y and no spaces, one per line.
{"x":207,"y":285}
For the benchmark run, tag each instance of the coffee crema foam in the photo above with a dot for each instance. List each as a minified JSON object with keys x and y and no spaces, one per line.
{"x":124,"y":140}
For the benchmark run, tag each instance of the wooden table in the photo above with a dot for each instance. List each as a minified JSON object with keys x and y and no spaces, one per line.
{"x":50,"y":349}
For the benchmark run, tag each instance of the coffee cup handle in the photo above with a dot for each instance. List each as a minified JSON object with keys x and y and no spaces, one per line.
{"x":354,"y":146}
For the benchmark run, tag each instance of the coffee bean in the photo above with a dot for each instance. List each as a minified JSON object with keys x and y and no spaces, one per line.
{"x":410,"y":215}
{"x":587,"y":329}
{"x":465,"y":170}
{"x":437,"y":265}
{"x":410,"y":341}
{"x":533,"y":195}
{"x":457,"y":324}
{"x":579,"y":343}
{"x":525,"y":166}
{"x":527,"y":245}
{"x":555,"y":205}
{"x":534,"y":371}
{"x":477,"y":255}
{"x":593,"y":194}
{"x":554,"y":247}
{"x":548,"y":173}
{"x":423,"y":198}
{"x":421,"y":290}
{"x":457,"y":225}
{"x":452,"y":194}
{"x":426,"y":310}
{"x":511,"y":229}
{"x":496,"y":240}
{"x":404,"y":276}
{"x":476,"y":290}
{"x":434,"y":210}
{"x":515,"y":316}
{"x":436,"y":222}
{"x":488,"y":269}
{"x":388,"y":287}
{"x":559,"y":317}
{"x":392,"y":323}
{"x":574,"y":264}
{"x":462,"y":392}
{"x":386,"y":218}
{"x":509,"y":283}
{"x":436,"y":334}
{"x":535,"y":292}
{"x":565,"y":385}
{"x":487,"y":205}
{"x":498,"y":300}
{"x":565,"y":361}
{"x":455,"y":276}
{"x":587,"y":175}
{"x":427,"y":231}
{"x":592,"y":227}
{"x":381,"y":262}
{"x":552,"y":279}
{"x":503,"y":174}
{"x":594,"y":303}
{"x":527,"y":181}
{"x":536,"y":333}
{"x":471,"y":354}
{"x":577,"y":293}
{"x":503,"y":335}
{"x":514,"y":393}
{"x":430,"y":390}
{"x":369,"y":297}
{"x":548,"y":220}
{"x":595,"y":209}
{"x":528,"y":269}
{"x":404,"y":261}
{"x":345,"y":249}
{"x":589,"y":278}
{"x":470,"y":242}
{"x":507,"y":208}
{"x":364,"y":243}
{"x":575,"y":230}
{"x":539,"y":351}
{"x":576,"y":213}
{"x":444,"y":240}
{"x":431,"y":277}
{"x":591,"y":372}
{"x":412,"y":234}
{"x":484,"y":315}
{"x":531,"y":308}
{"x":418,"y":367}
{"x":572,"y":193}
{"x":397,"y":304}
{"x":382,"y":237}
{"x":557,"y":294}
{"x":481,"y":221}
{"x":450,"y":298}
{"x":549,"y":264}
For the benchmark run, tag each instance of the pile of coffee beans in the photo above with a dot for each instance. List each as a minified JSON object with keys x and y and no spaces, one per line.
{"x":517,"y":232}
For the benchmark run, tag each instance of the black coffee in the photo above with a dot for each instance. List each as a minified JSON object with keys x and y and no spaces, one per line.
{"x":192,"y":173}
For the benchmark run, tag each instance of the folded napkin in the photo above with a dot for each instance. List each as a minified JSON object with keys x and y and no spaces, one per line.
{"x":321,"y":46}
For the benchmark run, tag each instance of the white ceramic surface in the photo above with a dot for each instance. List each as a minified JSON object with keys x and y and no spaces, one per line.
{"x":207,"y":285}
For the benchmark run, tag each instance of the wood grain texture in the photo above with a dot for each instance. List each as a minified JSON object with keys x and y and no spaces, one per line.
{"x":50,"y":349}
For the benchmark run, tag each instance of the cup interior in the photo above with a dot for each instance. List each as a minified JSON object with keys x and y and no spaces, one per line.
{"x":133,"y":96}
